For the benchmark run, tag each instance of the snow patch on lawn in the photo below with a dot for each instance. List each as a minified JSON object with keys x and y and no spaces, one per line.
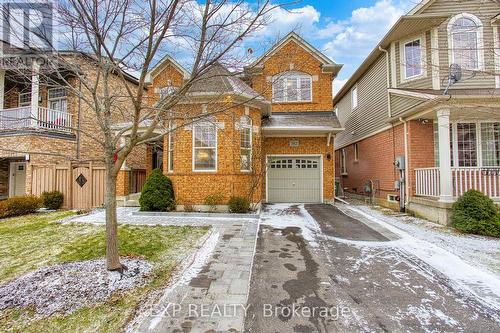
{"x":282,"y":216}
{"x":465,"y":276}
{"x":64,"y":288}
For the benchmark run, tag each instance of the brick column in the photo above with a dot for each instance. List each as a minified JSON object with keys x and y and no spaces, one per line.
{"x":122,"y":183}
{"x":445,"y":176}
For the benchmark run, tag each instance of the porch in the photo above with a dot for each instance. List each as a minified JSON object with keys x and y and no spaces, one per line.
{"x":33,"y":102}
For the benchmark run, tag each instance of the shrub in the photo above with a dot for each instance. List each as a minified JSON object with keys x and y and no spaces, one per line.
{"x":52,"y":200}
{"x":157,"y":193}
{"x":238,"y":205}
{"x":214,"y":200}
{"x":19,"y":206}
{"x":475,"y":213}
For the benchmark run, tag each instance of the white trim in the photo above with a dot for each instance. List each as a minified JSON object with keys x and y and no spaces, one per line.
{"x":436,"y":82}
{"x":298,"y":76}
{"x":216,"y":148}
{"x":355,"y":87}
{"x":480,"y":40}
{"x":496,"y":53}
{"x":295,"y":156}
{"x":423,"y":54}
{"x":163,"y":62}
{"x":249,"y":127}
{"x":11,"y":178}
{"x":356,"y":152}
{"x":343,"y":161}
{"x":300,"y":128}
{"x":394,"y":81}
{"x":170,"y":159}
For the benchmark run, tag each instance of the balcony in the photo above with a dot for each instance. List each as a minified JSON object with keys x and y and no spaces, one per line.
{"x":41,"y":119}
{"x":486,"y":180}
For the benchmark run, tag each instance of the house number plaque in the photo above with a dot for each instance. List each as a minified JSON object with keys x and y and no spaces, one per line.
{"x":294,"y":143}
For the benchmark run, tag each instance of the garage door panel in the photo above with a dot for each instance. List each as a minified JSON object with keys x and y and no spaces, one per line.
{"x":294,"y":179}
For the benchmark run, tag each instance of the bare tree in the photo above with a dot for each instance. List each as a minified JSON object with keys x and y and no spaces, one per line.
{"x":116,"y":37}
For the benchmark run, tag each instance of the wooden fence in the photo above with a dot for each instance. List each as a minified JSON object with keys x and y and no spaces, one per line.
{"x":83,"y":185}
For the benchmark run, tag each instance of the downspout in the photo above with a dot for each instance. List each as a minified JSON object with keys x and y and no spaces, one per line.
{"x":407,"y":186}
{"x":388,"y":79}
{"x":78,"y":121}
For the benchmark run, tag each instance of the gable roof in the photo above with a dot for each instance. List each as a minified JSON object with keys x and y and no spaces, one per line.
{"x":328,"y":64}
{"x":153,"y":72}
{"x":424,"y":4}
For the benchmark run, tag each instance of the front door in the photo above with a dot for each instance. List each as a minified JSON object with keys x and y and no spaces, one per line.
{"x":17,"y":179}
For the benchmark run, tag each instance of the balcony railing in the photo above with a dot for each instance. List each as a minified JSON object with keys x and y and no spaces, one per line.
{"x":48,"y":119}
{"x":486,"y":180}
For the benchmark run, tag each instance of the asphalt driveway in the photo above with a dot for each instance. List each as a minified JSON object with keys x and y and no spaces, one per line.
{"x":319,"y":270}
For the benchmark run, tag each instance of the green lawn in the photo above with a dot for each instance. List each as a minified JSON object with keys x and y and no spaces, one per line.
{"x":34,"y":241}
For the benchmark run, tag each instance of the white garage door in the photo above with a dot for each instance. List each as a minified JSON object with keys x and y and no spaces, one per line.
{"x":294,"y":179}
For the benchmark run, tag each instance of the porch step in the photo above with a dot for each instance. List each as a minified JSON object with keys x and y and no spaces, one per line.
{"x":131,"y":203}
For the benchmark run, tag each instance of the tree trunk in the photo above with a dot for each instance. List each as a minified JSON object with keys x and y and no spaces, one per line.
{"x":112,"y":255}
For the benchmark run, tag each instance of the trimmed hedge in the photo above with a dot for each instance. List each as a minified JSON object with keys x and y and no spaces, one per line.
{"x":19,"y":206}
{"x":238,"y":205}
{"x":157,"y":194}
{"x":52,"y":200}
{"x":475,"y":213}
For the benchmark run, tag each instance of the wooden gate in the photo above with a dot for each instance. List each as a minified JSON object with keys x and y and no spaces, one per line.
{"x":83,"y":185}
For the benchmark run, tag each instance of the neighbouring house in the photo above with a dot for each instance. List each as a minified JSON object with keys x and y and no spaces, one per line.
{"x":47,"y":138}
{"x":267,"y":135}
{"x":422,"y":113}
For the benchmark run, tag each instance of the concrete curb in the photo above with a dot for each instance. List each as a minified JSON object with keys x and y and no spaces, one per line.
{"x":254,"y":216}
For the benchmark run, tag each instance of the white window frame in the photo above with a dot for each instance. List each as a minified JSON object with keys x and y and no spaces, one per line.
{"x":479,"y":35}
{"x":356,"y":152}
{"x":170,"y":147}
{"x":454,"y":143}
{"x":296,"y":76}
{"x":23,"y":104}
{"x":354,"y":93}
{"x":60,"y":98}
{"x":204,"y":123}
{"x":423,"y":55}
{"x":248,"y":126}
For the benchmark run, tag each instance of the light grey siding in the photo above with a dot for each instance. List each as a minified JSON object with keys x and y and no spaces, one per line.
{"x":424,"y":82}
{"x":485,"y":10}
{"x":401,"y":104}
{"x":372,"y":112}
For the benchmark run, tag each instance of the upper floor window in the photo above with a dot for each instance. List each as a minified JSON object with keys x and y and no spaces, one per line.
{"x":413,"y":58}
{"x":245,"y":143}
{"x":58,"y":99}
{"x":25,"y":98}
{"x":205,"y":146}
{"x":465,"y":40}
{"x":165,"y":91}
{"x":292,"y":87}
{"x":354,"y":97}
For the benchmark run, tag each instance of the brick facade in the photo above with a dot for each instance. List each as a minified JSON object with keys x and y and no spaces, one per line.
{"x":376,"y":155}
{"x":47,"y":147}
{"x":293,"y":57}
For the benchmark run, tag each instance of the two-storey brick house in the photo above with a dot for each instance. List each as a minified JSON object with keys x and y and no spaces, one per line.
{"x":270,"y":140}
{"x":427,"y":97}
{"x":43,"y":123}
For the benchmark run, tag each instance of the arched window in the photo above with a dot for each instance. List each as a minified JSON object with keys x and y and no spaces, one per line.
{"x":245,"y":143}
{"x":466,"y":41}
{"x":292,"y":86}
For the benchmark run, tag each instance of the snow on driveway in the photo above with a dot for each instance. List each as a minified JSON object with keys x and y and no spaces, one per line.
{"x":470,"y":262}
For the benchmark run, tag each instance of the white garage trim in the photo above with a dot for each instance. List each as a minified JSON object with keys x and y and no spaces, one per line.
{"x":295,"y":156}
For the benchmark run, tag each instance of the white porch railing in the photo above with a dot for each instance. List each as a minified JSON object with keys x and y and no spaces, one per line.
{"x":486,"y":180}
{"x":21,"y":118}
